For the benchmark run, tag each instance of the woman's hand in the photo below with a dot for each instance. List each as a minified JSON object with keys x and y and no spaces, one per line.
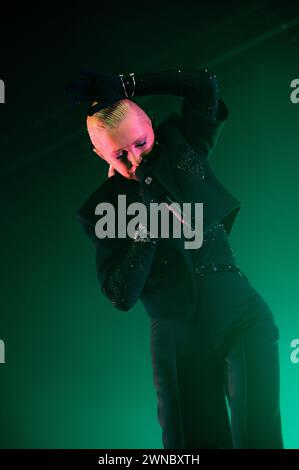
{"x":111,"y":171}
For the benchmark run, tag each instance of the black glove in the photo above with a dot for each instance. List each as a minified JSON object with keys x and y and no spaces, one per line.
{"x":104,"y":87}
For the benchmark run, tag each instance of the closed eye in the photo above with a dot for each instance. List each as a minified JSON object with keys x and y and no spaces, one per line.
{"x":124,"y":154}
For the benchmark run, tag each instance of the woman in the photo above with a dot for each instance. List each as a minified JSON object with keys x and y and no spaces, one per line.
{"x":212,"y":335}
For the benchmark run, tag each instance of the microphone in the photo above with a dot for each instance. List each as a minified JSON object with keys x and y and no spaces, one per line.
{"x":177,"y":212}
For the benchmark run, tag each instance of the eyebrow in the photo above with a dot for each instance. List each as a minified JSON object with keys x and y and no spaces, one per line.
{"x":135,"y":142}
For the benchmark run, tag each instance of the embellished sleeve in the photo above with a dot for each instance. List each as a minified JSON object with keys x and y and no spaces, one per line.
{"x":203,"y":116}
{"x":203,"y":111}
{"x":126,"y":281}
{"x":122,"y":274}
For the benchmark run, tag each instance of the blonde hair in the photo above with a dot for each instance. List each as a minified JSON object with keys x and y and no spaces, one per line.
{"x":109,"y":117}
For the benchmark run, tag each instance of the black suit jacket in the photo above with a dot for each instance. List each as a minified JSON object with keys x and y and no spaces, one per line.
{"x":181,"y":165}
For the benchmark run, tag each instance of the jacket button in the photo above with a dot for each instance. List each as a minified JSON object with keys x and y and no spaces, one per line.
{"x":148,"y":180}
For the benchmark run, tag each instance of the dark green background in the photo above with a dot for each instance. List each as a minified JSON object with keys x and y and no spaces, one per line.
{"x":78,"y":372}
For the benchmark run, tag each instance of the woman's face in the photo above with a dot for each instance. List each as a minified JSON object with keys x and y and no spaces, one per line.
{"x":124,"y":147}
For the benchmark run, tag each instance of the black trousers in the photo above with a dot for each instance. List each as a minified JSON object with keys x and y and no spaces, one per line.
{"x":227,"y":355}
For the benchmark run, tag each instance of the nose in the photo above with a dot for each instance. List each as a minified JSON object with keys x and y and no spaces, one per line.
{"x":135,"y":158}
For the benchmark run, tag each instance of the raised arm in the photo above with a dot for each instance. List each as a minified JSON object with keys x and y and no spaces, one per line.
{"x":203,"y":111}
{"x":198,"y":85}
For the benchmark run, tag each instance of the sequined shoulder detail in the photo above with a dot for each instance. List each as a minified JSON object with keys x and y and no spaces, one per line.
{"x":191,"y":163}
